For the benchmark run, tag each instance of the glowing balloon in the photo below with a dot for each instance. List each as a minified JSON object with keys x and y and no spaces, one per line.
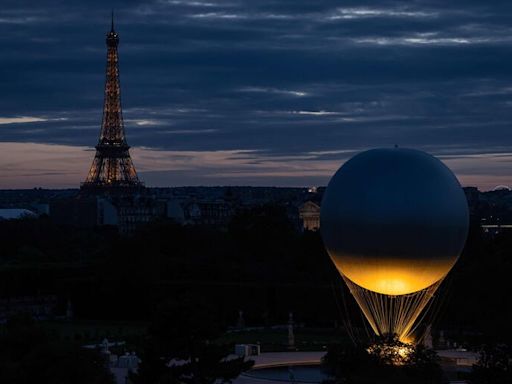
{"x":394,"y":222}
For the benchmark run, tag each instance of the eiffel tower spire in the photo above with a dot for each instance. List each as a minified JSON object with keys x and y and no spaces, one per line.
{"x":112,"y":166}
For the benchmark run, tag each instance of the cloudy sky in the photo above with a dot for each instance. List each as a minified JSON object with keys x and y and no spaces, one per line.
{"x":267,"y":92}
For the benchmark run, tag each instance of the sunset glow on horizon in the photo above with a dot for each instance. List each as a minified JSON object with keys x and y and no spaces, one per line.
{"x":65,"y":166}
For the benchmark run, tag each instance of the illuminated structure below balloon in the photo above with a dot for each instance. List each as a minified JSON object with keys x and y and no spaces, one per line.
{"x":394,"y":222}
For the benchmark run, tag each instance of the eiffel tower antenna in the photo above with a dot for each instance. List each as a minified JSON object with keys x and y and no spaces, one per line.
{"x":112,"y":167}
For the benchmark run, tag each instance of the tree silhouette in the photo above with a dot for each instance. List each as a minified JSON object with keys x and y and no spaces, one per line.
{"x":181,"y":346}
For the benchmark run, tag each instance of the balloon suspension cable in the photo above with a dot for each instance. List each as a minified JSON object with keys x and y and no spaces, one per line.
{"x":435,"y":306}
{"x":392,"y":315}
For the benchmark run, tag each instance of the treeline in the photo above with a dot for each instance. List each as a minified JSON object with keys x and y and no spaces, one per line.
{"x":260,"y":264}
{"x":30,"y":354}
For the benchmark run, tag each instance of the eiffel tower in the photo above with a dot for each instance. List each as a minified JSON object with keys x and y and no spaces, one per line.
{"x":112,"y":168}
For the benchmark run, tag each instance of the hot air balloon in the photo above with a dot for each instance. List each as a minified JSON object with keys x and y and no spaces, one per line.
{"x":394,"y":222}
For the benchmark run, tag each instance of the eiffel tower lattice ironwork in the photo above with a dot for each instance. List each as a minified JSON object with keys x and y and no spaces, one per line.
{"x":112,"y":166}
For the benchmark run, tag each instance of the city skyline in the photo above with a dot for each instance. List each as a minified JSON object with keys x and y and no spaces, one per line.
{"x":234,"y":93}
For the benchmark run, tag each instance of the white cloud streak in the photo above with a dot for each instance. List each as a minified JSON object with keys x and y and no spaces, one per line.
{"x":276,"y":91}
{"x":317,"y":113}
{"x":362,"y":12}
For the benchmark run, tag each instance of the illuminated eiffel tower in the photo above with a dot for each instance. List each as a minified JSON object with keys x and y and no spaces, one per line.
{"x":112,"y":168}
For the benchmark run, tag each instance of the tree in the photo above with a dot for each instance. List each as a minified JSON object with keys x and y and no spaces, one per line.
{"x":63,"y":363}
{"x":181,"y":347}
{"x":494,"y":365}
{"x":29,"y":355}
{"x":388,"y":361}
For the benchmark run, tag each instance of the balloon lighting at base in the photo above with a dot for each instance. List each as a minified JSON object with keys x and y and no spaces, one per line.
{"x":398,"y":354}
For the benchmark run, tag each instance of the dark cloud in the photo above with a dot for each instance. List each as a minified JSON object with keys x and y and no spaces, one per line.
{"x":274,"y":77}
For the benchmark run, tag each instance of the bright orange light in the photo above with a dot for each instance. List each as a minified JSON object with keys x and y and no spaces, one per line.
{"x":392,"y":354}
{"x":393,"y":276}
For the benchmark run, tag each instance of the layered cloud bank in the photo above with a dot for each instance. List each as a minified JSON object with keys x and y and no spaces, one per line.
{"x":256,"y":92}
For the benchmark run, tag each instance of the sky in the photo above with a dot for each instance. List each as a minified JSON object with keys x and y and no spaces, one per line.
{"x":267,"y":92}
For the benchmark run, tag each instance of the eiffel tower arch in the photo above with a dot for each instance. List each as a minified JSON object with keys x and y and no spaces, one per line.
{"x":112,"y":168}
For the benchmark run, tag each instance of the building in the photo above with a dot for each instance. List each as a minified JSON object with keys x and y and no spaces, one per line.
{"x":15,"y":213}
{"x":77,"y":212}
{"x":124,"y":212}
{"x":205,"y":212}
{"x":138,"y":211}
{"x":39,"y":307}
{"x":309,"y":213}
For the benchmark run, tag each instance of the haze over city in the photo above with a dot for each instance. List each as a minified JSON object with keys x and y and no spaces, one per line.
{"x":256,"y":93}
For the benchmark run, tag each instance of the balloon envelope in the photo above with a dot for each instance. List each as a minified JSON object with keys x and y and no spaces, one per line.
{"x":394,"y":221}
